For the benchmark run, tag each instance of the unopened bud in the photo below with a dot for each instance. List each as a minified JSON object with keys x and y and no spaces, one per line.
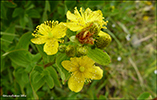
{"x":103,"y":41}
{"x":70,"y":50}
{"x":81,"y":51}
{"x":95,"y":28}
{"x":62,"y":48}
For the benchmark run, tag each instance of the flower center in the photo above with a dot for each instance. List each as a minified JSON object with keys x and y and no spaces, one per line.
{"x":81,"y":68}
{"x":50,"y":35}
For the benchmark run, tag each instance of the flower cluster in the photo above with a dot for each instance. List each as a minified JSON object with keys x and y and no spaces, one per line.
{"x":86,"y":26}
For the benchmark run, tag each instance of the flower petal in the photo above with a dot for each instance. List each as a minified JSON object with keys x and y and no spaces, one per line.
{"x":69,"y":65}
{"x":44,"y":29}
{"x":96,"y":15}
{"x":76,"y":17}
{"x":86,"y":61}
{"x":76,"y":82}
{"x":39,"y":40}
{"x":87,"y":13}
{"x":51,"y":47}
{"x":74,"y":26}
{"x":59,"y":31}
{"x":94,"y":73}
{"x":71,"y":16}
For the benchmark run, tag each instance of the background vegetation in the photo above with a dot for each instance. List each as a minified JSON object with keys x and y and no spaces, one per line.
{"x":132,"y":50}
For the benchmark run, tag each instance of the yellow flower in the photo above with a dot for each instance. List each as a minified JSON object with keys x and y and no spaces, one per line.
{"x":49,"y":33}
{"x":148,"y":3}
{"x":80,"y":21}
{"x":146,"y":18}
{"x":83,"y":69}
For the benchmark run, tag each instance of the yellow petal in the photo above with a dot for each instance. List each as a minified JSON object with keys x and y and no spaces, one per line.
{"x":96,"y":15}
{"x":69,"y":65}
{"x":94,"y":73}
{"x":87,"y":13}
{"x":44,"y":29}
{"x":59,"y":31}
{"x":51,"y":47}
{"x":39,"y":40}
{"x":86,"y":61}
{"x":74,"y":26}
{"x":71,"y":16}
{"x":76,"y":82}
{"x":75,"y":18}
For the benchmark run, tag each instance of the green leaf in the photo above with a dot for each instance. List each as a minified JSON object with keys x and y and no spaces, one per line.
{"x":23,"y":58}
{"x":36,"y":58}
{"x":54,"y":4}
{"x":37,"y":77}
{"x":94,"y":3}
{"x":29,"y":67}
{"x":61,"y":10}
{"x":3,"y":11}
{"x":102,"y":97}
{"x":33,"y":13}
{"x":24,"y":41}
{"x":29,"y":5}
{"x":144,"y":96}
{"x":18,"y":11}
{"x":47,"y":6}
{"x":54,"y":75}
{"x":99,"y":56}
{"x":20,"y":58}
{"x":22,"y":22}
{"x":36,"y":81}
{"x":10,"y":4}
{"x":70,"y":4}
{"x":29,"y":91}
{"x":45,"y":72}
{"x":39,"y":69}
{"x":59,"y":67}
{"x":25,"y":77}
{"x":49,"y":81}
{"x":21,"y":77}
{"x":40,"y":49}
{"x":11,"y":30}
{"x":39,"y":84}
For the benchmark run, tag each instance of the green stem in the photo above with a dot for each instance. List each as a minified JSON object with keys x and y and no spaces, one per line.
{"x":23,"y":92}
{"x":34,"y":93}
{"x":10,"y":76}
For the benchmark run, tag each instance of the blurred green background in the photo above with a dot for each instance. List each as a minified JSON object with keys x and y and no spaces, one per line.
{"x":132,"y":50}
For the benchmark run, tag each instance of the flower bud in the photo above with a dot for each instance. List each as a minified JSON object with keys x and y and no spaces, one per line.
{"x":95,"y":28}
{"x":103,"y":41}
{"x":70,"y":50}
{"x":62,"y":48}
{"x":81,"y":51}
